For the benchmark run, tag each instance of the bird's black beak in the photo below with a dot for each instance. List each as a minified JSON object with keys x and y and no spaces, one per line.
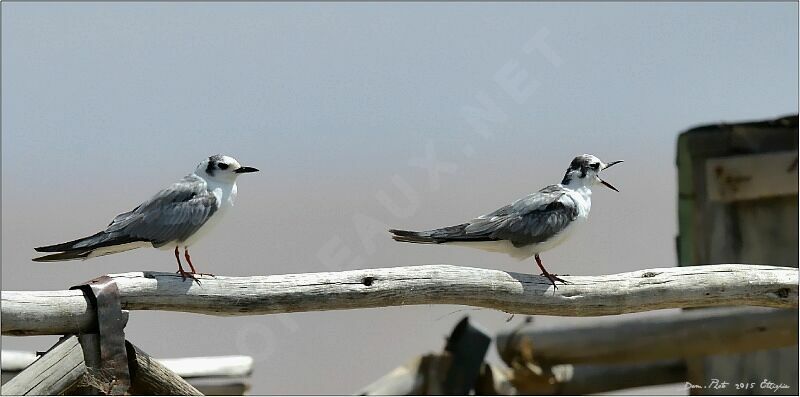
{"x":612,"y":163}
{"x":608,"y":185}
{"x":245,"y":170}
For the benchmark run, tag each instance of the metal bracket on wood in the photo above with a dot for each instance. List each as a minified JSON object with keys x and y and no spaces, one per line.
{"x":468,"y":345}
{"x":105,"y":351}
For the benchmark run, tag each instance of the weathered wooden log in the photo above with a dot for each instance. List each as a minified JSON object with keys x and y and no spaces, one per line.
{"x":686,"y":334}
{"x":576,"y":380}
{"x":59,"y":370}
{"x":47,"y":313}
{"x":713,"y":285}
{"x":149,"y":377}
{"x":210,"y":367}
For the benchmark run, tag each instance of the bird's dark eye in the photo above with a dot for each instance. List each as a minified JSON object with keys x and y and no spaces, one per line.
{"x":222,"y":166}
{"x":595,"y":166}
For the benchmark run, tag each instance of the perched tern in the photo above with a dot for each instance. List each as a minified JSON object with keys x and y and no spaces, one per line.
{"x":530,"y":225}
{"x":175,"y":217}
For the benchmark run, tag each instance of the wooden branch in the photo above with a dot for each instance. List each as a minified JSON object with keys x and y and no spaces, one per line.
{"x":713,"y":285}
{"x":61,"y":369}
{"x":46,"y":313}
{"x":687,"y":334}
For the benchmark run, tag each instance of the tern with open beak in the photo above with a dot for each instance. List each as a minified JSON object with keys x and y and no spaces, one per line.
{"x":530,"y":225}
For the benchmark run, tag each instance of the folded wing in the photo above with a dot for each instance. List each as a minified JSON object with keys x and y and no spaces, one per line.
{"x":532,"y":219}
{"x":173,"y":214}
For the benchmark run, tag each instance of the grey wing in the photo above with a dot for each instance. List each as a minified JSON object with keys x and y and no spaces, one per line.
{"x":532,"y":219}
{"x":173,"y":214}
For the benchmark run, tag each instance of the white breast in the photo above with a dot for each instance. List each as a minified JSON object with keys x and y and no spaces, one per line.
{"x":225,"y":194}
{"x":582,"y":198}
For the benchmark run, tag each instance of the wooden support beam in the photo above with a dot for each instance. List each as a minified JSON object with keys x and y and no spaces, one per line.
{"x":58,"y":371}
{"x":686,"y":334}
{"x":149,"y":377}
{"x":219,"y":375}
{"x":643,"y":290}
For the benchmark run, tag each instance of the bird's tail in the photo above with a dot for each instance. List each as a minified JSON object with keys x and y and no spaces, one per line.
{"x":64,"y":256}
{"x":82,"y":247}
{"x":408,"y":236}
{"x":435,"y":236}
{"x":84,"y":243}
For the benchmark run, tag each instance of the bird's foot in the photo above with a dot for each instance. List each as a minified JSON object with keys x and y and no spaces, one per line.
{"x":189,"y":275}
{"x":553,"y":278}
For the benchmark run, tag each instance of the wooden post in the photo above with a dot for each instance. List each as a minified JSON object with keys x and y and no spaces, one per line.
{"x":737,"y":202}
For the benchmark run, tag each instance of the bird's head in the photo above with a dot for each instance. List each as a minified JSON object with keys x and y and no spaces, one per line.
{"x":584,"y":170}
{"x":222,"y":168}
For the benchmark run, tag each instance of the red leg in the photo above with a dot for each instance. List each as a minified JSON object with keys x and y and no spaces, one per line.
{"x":552,"y":277}
{"x":189,"y":259}
{"x":180,"y":268}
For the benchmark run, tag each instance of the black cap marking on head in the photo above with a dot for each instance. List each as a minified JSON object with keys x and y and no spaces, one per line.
{"x":212,"y":163}
{"x":581,"y":163}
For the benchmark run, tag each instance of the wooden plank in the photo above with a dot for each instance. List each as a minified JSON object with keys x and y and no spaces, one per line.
{"x":643,"y":290}
{"x":687,"y":334}
{"x":187,"y":367}
{"x":59,"y":370}
{"x":753,"y":176}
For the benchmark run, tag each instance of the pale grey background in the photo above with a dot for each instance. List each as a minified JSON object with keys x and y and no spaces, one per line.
{"x":104,"y":104}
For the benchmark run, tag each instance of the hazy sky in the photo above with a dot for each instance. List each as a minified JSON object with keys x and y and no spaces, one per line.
{"x":338,"y":104}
